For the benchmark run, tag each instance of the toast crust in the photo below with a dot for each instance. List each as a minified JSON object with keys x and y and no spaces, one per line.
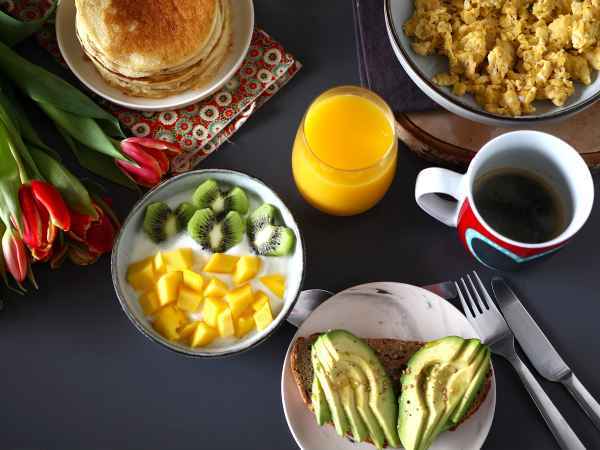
{"x":393,"y":353}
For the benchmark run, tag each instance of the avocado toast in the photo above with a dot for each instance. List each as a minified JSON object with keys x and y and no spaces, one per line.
{"x":353,"y":365}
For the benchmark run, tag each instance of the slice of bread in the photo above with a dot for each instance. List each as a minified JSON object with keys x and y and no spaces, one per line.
{"x":393,"y":354}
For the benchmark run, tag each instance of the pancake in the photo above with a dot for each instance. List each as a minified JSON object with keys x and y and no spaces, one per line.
{"x":155,"y":48}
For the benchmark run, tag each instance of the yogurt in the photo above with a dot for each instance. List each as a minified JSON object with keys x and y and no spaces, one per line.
{"x":142,"y":247}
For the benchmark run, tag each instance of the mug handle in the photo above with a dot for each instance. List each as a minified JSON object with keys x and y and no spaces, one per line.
{"x":435,"y":180}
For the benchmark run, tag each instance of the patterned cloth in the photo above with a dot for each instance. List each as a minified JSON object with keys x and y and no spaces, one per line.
{"x":200,"y":128}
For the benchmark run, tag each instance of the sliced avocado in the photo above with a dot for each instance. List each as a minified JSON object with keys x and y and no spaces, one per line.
{"x":472,"y":391}
{"x":346,"y":349}
{"x":361,"y":391}
{"x":359,"y":430}
{"x":455,"y":389}
{"x":437,"y":394}
{"x":346,"y":382}
{"x":319,"y":403}
{"x":340,"y":421}
{"x":413,"y":414}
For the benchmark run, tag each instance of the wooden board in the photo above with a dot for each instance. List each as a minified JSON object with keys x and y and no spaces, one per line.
{"x":443,"y":137}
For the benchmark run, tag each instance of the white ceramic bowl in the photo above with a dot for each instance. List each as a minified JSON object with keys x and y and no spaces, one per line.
{"x":242,"y":28}
{"x":421,"y":70}
{"x":132,"y":227}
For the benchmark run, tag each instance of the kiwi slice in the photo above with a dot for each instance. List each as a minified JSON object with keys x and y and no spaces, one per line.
{"x":159,"y":222}
{"x":211,"y":194}
{"x":213,"y":234}
{"x":183,"y":214}
{"x":267,"y":234}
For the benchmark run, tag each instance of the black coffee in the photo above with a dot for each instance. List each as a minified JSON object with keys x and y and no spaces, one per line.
{"x":520,"y":205}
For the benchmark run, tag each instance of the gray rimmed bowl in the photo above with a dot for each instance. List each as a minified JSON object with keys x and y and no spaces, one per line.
{"x":132,"y":225}
{"x":422,"y":69}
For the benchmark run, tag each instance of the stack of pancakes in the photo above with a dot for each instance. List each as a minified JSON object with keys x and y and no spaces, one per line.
{"x":154,"y":48}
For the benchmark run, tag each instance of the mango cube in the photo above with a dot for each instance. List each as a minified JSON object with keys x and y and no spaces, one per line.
{"x":168,"y":321}
{"x":263,"y":317}
{"x":186,"y":332}
{"x":141,"y":275}
{"x":149,"y":302}
{"x":193,"y":280}
{"x":160,"y":265}
{"x":180,"y":259}
{"x":275,"y":283}
{"x":189,"y":300}
{"x":260,"y":298}
{"x":244,"y":324}
{"x":239,"y":300}
{"x":212,"y":308}
{"x":203,"y":335}
{"x":215,"y":288}
{"x":168,"y":287}
{"x":246,"y":268}
{"x":225,"y":323}
{"x":221,"y":263}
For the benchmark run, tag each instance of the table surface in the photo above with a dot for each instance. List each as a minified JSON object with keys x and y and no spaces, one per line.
{"x":77,"y":375}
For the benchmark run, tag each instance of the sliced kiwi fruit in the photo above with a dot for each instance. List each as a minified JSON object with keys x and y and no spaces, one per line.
{"x":183,"y":214}
{"x":210,"y":194}
{"x":159,"y":222}
{"x":267,"y":234}
{"x":213,"y":234}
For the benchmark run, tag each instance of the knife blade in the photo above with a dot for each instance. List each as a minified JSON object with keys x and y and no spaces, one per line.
{"x":310,"y":299}
{"x":540,"y":352}
{"x":532,"y":339}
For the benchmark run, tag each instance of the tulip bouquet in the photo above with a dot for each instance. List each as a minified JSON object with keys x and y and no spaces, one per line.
{"x":46,"y":213}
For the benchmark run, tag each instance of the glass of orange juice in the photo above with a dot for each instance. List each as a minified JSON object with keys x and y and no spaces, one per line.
{"x":345,"y":152}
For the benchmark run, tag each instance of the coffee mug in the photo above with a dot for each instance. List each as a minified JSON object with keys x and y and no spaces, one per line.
{"x":547,"y":157}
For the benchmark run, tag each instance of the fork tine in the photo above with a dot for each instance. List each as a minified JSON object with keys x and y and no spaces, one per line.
{"x":466,"y":309}
{"x":476,"y":293}
{"x":485,"y":293}
{"x":470,"y":297}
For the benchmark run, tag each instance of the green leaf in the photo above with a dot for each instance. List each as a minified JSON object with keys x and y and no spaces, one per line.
{"x":84,"y":130}
{"x":69,"y":186}
{"x":25,"y":163}
{"x":9,"y":181}
{"x":19,"y":116}
{"x":43,"y":86}
{"x":13,"y":31}
{"x":98,"y":163}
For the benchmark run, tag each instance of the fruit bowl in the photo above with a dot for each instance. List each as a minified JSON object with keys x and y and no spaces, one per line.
{"x":133,"y":245}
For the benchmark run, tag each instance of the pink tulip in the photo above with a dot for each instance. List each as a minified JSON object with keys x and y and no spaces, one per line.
{"x":15,"y":256}
{"x":151,"y":158}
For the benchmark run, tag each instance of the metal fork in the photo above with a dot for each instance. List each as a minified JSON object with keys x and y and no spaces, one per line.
{"x":493,"y":329}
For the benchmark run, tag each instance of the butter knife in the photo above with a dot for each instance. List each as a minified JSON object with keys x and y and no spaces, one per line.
{"x":310,"y":299}
{"x":540,"y":351}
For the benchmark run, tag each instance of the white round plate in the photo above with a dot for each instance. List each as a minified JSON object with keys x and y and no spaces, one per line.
{"x":383,"y":310}
{"x":242,"y":28}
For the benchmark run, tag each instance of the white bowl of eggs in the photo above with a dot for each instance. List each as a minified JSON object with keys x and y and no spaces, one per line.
{"x":496,"y":78}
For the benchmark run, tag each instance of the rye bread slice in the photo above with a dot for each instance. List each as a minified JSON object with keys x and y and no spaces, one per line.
{"x":393,"y":354}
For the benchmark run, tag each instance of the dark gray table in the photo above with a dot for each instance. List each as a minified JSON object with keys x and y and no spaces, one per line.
{"x":74,"y":373}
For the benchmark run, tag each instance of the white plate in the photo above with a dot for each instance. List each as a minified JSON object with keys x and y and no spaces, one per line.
{"x":402,"y":312}
{"x":421,"y":69}
{"x":242,"y":12}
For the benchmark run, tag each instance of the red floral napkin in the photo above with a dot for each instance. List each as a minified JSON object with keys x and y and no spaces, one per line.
{"x":200,"y":128}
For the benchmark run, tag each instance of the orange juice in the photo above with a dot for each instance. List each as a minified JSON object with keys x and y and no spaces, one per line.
{"x":345,"y":152}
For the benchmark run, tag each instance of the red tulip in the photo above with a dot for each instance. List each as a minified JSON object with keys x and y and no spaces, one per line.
{"x":151,"y":158}
{"x":43,"y":210}
{"x":47,"y":196}
{"x":93,"y":237}
{"x":15,"y":256}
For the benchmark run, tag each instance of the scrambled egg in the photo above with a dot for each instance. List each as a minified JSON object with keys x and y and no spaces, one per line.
{"x":508,"y":53}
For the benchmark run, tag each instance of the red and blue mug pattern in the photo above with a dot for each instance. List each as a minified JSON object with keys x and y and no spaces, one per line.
{"x":553,"y":159}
